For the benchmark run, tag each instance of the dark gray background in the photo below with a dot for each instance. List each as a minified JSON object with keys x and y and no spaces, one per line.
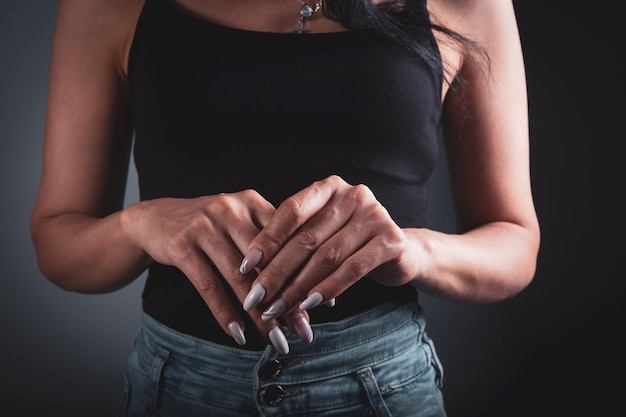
{"x":554,"y":349}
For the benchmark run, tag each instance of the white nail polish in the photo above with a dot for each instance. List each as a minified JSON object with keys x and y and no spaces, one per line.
{"x":250,"y":261}
{"x":303,"y":329}
{"x":237,"y":333}
{"x":254,"y":297}
{"x":275,"y":310}
{"x":331,"y":303}
{"x":311,"y":301}
{"x":279,"y":341}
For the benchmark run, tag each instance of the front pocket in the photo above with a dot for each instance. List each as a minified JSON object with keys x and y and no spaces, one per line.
{"x":406,"y":385}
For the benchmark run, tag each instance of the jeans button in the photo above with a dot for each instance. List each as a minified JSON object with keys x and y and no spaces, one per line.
{"x":270,"y":370}
{"x":273,"y":395}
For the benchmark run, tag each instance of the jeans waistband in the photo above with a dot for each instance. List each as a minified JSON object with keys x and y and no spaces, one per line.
{"x":363,"y":336}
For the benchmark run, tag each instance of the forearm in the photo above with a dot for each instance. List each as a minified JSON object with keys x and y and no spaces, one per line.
{"x":487,"y":264}
{"x":82,"y":253}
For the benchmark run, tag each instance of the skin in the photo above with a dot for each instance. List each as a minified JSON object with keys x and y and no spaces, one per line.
{"x":86,"y":241}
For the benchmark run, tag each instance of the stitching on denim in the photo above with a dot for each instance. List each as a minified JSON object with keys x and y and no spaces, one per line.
{"x":299,"y":411}
{"x":354,"y":344}
{"x":203,"y":367}
{"x":352,"y":369}
{"x":188,"y":361}
{"x":404,"y":381}
{"x":203,"y":400}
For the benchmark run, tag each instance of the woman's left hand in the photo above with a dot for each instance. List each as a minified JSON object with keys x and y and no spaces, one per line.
{"x":319,"y":242}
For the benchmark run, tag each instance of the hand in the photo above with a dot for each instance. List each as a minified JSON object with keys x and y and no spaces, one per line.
{"x":191,"y":234}
{"x":319,"y":242}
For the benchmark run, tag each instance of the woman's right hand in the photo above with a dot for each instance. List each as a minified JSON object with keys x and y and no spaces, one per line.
{"x":193,"y":234}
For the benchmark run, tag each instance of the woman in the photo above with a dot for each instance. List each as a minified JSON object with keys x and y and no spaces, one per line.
{"x":283,"y":150}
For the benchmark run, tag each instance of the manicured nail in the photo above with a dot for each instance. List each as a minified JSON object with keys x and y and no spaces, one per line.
{"x":250,"y":261}
{"x":254,"y":297}
{"x":311,"y":301}
{"x":279,"y":341}
{"x":331,"y":303}
{"x":237,"y":333}
{"x":303,"y":329}
{"x":275,"y":310}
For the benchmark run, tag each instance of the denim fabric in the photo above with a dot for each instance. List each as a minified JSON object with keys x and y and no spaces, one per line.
{"x":379,"y":363}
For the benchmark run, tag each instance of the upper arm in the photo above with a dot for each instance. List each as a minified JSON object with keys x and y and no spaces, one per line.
{"x":88,"y":132}
{"x":486,"y":121}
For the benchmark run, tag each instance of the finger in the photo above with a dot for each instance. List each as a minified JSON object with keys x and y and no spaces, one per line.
{"x":226,"y":263}
{"x":298,"y":323}
{"x":354,"y":268}
{"x":289,"y":216}
{"x":261,"y":210}
{"x":325,"y":261}
{"x":305,"y":242}
{"x":364,"y":219}
{"x":197,"y":269}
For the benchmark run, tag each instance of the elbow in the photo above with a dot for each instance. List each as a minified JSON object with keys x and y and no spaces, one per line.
{"x":516,"y":273}
{"x":524,"y":270}
{"x":50,"y":271}
{"x":52,"y":268}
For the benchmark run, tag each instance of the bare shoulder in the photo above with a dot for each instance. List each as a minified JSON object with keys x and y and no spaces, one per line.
{"x":491,"y":24}
{"x":105,"y":26}
{"x":472,"y":16}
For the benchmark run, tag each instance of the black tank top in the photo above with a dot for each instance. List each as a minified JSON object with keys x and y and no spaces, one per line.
{"x":218,"y":109}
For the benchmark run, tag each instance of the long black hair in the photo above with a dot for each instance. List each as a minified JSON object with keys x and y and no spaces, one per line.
{"x":404,"y":22}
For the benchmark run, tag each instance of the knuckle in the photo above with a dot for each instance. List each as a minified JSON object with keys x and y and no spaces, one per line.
{"x":335,"y":180}
{"x":307,"y":238}
{"x":205,"y":285}
{"x":220,"y":310}
{"x":361,"y":194}
{"x":224,"y":205}
{"x":292,"y":207}
{"x":329,"y":256}
{"x":252,"y":196}
{"x":249,"y":193}
{"x":394,"y":237}
{"x":179,"y":247}
{"x":270,"y":278}
{"x":196,"y":223}
{"x":273,"y":238}
{"x":357,"y":268}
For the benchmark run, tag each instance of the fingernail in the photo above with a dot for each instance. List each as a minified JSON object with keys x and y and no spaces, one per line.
{"x":311,"y":301}
{"x":275,"y":310}
{"x":331,"y":303}
{"x":279,"y":341}
{"x":237,"y":333}
{"x":303,"y":329}
{"x":254,"y":297}
{"x":250,"y":261}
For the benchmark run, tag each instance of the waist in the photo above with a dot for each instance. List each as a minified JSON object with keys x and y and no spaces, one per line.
{"x":172,"y":300}
{"x":364,"y":337}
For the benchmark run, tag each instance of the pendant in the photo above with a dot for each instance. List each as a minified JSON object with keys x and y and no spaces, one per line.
{"x":306,"y":12}
{"x":301,"y":27}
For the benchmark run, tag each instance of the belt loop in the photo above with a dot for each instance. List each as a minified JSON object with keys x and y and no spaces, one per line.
{"x":435,"y":359}
{"x":156,"y":380}
{"x":373,"y":392}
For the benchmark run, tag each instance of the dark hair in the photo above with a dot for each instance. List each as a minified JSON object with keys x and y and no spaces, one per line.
{"x":404,"y":22}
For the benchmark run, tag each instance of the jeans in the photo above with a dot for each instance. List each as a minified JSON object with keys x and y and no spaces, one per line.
{"x":378,"y":363}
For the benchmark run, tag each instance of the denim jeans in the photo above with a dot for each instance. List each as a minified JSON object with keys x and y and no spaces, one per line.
{"x":378,"y":363}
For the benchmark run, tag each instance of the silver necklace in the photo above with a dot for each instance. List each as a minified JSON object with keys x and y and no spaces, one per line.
{"x":306,"y":12}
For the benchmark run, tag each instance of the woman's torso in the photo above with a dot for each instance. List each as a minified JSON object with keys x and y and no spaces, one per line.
{"x":222,"y":109}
